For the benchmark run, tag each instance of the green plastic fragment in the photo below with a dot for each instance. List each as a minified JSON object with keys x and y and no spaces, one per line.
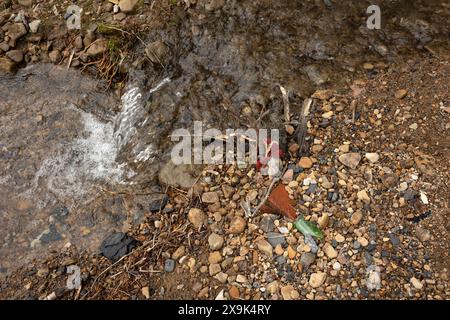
{"x":308,"y":228}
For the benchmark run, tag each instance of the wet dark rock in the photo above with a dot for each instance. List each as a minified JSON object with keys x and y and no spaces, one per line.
{"x":50,"y":235}
{"x":116,"y":245}
{"x":60,"y":212}
{"x":168,"y":210}
{"x":297,"y":171}
{"x":158,"y":205}
{"x":31,"y":273}
{"x":371,"y":75}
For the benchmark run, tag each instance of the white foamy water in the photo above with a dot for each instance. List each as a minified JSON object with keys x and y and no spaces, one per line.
{"x":160,"y":85}
{"x":147,"y":154}
{"x":132,"y":115}
{"x":89,"y":161}
{"x":132,"y":112}
{"x":83,"y":162}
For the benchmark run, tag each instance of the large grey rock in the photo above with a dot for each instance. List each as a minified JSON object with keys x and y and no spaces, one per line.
{"x":158,"y":204}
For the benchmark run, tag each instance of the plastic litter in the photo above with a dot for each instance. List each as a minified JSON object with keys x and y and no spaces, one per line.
{"x":308,"y":228}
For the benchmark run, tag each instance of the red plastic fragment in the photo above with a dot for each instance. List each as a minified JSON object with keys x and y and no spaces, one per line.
{"x":262,"y":162}
{"x":279,"y":202}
